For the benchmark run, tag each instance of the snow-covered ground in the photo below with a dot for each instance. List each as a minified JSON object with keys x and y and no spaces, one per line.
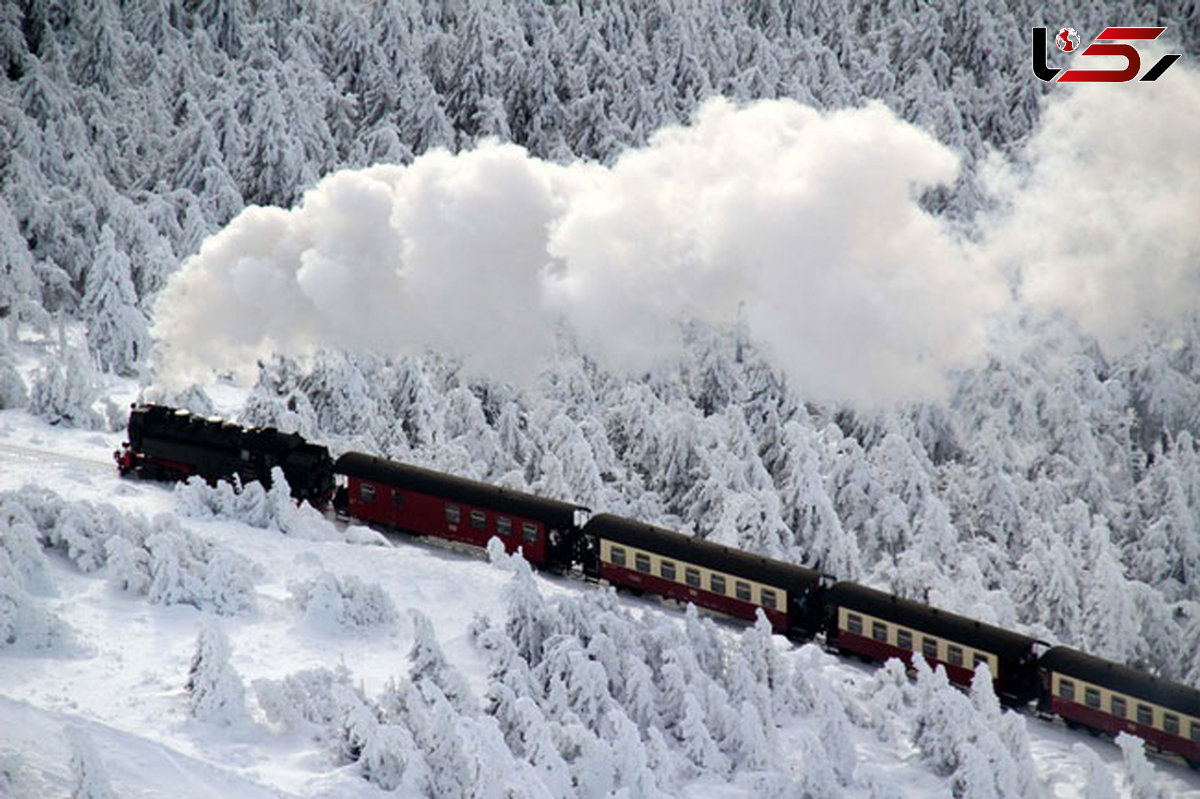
{"x":114,"y":688}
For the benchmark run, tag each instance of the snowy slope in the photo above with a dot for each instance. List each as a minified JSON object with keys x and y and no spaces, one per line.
{"x":121,"y":678}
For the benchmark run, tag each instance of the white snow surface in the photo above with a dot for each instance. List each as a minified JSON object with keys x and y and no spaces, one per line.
{"x":120,"y":683}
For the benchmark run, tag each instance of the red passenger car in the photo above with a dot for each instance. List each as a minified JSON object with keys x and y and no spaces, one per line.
{"x":426,"y":502}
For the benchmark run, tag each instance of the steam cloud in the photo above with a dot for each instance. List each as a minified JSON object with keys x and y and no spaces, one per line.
{"x":809,"y":219}
{"x":1106,"y":224}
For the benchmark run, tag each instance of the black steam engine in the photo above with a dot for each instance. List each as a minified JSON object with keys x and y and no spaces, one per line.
{"x":169,"y":444}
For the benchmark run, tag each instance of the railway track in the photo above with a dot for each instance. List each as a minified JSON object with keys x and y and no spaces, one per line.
{"x":18,"y":452}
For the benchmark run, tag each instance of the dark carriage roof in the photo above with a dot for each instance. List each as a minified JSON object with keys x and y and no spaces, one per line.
{"x":702,"y":553}
{"x":929,"y":619}
{"x":164,"y":422}
{"x":1123,"y":679}
{"x":469,"y":492}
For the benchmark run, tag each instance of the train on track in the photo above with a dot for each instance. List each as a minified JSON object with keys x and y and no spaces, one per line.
{"x":564,"y":537}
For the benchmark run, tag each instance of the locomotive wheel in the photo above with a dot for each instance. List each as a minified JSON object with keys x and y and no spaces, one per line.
{"x":1072,"y":725}
{"x":1193,"y":764}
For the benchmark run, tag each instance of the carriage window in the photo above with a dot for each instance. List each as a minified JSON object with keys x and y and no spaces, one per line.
{"x":1117,"y":706}
{"x":453,"y":514}
{"x":367,"y":492}
{"x":1091,"y":697}
{"x":954,"y":655}
{"x":397,"y":498}
{"x":879,"y":631}
{"x":1145,"y":715}
{"x":618,"y":556}
{"x":1171,"y":723}
{"x":692,"y":577}
{"x":904,"y":639}
{"x":717,"y":583}
{"x":854,"y":623}
{"x":743,"y":590}
{"x":981,"y":660}
{"x":642,"y":562}
{"x":478,"y":520}
{"x":768,"y":598}
{"x":667,"y":569}
{"x":1066,"y":690}
{"x":1196,"y":731}
{"x":929,"y":647}
{"x":504,"y":526}
{"x":529,"y":532}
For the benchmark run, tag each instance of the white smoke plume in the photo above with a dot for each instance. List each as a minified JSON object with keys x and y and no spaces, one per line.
{"x":1105,"y":223}
{"x":446,"y":253}
{"x":810,"y":219}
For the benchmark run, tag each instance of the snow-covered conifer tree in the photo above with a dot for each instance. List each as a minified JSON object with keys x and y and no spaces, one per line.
{"x":451,"y":767}
{"x":18,"y":282}
{"x":117,"y":331}
{"x":344,"y":603}
{"x":429,"y":663}
{"x":1110,"y":623}
{"x":13,"y":50}
{"x":696,"y":740}
{"x":389,"y":757}
{"x":1098,"y":780}
{"x":12,"y":386}
{"x":808,"y":509}
{"x":637,"y":693}
{"x":128,"y":565}
{"x":63,"y":392}
{"x":25,"y":623}
{"x":942,"y":719}
{"x":1049,"y":590}
{"x":530,"y":621}
{"x":536,"y":738}
{"x":628,"y":755}
{"x":1139,"y":774}
{"x":216,"y":690}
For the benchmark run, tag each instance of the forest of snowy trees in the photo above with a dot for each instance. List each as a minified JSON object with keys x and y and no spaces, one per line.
{"x":1056,"y":490}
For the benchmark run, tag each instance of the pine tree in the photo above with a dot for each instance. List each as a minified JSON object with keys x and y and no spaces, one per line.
{"x":1110,"y":624}
{"x":100,"y":60}
{"x":216,"y":690}
{"x":20,"y":293}
{"x":117,"y":332}
{"x":696,"y":740}
{"x":13,"y":50}
{"x":63,"y":392}
{"x":429,"y":663}
{"x":1049,"y":591}
{"x":809,"y":509}
{"x":1098,"y":781}
{"x":1139,"y":773}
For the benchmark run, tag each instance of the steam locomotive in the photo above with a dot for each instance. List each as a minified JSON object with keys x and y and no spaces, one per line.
{"x":169,"y":444}
{"x":1083,"y":690}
